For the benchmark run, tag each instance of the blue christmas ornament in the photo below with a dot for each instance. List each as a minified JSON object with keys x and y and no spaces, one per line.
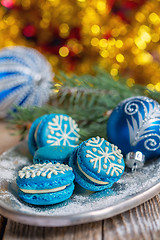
{"x":25,"y":78}
{"x":134,"y":126}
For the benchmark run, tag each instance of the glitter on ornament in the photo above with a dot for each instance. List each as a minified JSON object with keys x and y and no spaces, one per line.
{"x":134,"y":126}
{"x":25,"y":78}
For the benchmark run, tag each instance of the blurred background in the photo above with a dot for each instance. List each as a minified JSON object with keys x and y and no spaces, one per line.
{"x":122,"y":36}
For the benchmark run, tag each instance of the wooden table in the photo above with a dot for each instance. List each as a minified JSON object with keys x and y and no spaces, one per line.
{"x":142,"y":222}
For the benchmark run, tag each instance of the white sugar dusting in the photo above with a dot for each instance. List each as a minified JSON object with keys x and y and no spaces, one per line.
{"x":81,"y":201}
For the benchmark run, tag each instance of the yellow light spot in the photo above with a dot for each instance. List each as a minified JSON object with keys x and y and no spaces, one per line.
{"x":94,"y":41}
{"x":64,"y":28}
{"x":144,"y":28}
{"x":115,"y":32}
{"x":63,"y":51}
{"x":95,"y":29}
{"x":119,"y":44}
{"x":145,"y":36}
{"x":143,"y":58}
{"x":103,"y":43}
{"x":55,"y":90}
{"x":111,"y":41}
{"x":120,"y":58}
{"x":115,"y":65}
{"x":114,"y":72}
{"x":140,"y":17}
{"x":101,"y":6}
{"x":81,"y":0}
{"x":154,"y":18}
{"x":104,"y":53}
{"x":150,"y":86}
{"x":157,"y":87}
{"x":155,"y":37}
{"x":140,"y":43}
{"x":130,"y":82}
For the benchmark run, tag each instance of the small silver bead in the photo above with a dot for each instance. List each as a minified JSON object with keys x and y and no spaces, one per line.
{"x":135,"y":160}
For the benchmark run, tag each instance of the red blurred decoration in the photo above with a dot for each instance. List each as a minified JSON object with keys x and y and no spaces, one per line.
{"x":29,"y":31}
{"x":8,"y":3}
{"x":107,"y":35}
{"x":125,"y":9}
{"x":75,"y":33}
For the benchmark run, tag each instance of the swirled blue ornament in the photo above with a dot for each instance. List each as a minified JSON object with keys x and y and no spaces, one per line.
{"x":134,"y":125}
{"x":25,"y":78}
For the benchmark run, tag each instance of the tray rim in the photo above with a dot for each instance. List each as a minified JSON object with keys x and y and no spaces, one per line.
{"x":84,"y":217}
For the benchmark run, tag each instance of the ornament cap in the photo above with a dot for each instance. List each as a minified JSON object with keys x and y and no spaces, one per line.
{"x":135,"y":160}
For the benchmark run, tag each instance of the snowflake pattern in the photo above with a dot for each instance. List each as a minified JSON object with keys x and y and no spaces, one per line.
{"x":43,"y":170}
{"x":104,"y":158}
{"x":63,"y":131}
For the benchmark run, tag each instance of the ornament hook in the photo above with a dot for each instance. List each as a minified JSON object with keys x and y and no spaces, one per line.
{"x":135,"y":160}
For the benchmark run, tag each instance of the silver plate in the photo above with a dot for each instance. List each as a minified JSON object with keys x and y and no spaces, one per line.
{"x":84,"y":206}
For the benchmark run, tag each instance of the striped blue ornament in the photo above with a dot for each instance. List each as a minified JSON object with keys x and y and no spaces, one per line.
{"x":25,"y":78}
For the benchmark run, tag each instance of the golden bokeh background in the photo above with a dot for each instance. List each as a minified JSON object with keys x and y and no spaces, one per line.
{"x":75,"y":35}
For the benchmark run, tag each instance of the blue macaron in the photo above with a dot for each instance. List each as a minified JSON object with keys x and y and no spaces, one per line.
{"x":57,"y":129}
{"x":53,"y":154}
{"x":32,"y":144}
{"x":45,"y":184}
{"x":97,"y":164}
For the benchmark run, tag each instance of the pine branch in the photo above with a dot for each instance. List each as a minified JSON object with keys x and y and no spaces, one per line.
{"x":88,"y":99}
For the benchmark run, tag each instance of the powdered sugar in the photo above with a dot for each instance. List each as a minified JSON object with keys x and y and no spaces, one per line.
{"x":82,"y":201}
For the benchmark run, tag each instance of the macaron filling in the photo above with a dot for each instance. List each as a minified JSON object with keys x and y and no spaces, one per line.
{"x":44,"y":190}
{"x":91,"y":178}
{"x":36,"y":131}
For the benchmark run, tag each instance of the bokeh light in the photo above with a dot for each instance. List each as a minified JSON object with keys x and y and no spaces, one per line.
{"x":121,"y":36}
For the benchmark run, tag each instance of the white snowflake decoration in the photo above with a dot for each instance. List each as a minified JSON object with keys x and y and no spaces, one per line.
{"x":62,"y":133}
{"x":103,"y":158}
{"x":44,"y":170}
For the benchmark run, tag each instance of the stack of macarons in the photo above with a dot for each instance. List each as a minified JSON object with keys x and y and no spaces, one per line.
{"x":45,"y":184}
{"x":95,"y":164}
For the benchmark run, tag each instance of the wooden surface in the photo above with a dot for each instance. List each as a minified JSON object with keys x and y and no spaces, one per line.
{"x":142,"y":222}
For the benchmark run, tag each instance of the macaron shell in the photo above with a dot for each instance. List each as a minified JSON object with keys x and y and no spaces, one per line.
{"x":47,"y":198}
{"x":81,"y":179}
{"x":53,"y":129}
{"x":43,"y":182}
{"x":32,"y":144}
{"x":40,"y":183}
{"x":101,"y":158}
{"x":53,"y":154}
{"x":92,"y":174}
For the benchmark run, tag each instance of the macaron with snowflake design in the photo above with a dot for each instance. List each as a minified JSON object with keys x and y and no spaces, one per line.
{"x":45,"y":184}
{"x":56,"y":130}
{"x":97,"y":164}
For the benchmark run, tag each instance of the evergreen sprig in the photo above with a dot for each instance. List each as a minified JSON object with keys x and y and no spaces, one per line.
{"x":88,"y":99}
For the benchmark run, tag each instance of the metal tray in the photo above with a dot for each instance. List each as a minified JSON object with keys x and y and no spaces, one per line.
{"x":84,"y":206}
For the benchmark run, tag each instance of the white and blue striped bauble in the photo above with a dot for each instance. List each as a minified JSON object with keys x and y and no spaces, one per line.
{"x":25,"y":78}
